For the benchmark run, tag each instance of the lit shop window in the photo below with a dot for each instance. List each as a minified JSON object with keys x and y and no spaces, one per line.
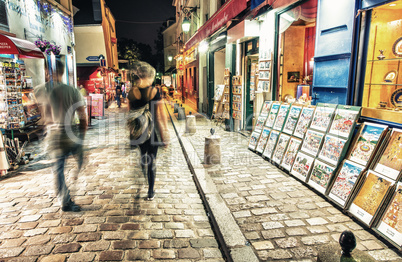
{"x":384,"y":56}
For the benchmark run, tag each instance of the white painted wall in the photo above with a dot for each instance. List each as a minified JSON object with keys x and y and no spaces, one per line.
{"x":89,"y":41}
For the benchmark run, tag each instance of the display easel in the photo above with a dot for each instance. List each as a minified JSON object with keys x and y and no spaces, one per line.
{"x":225,"y":102}
{"x":237,"y":97}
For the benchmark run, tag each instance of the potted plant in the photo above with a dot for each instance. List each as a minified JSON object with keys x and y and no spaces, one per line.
{"x":42,"y":44}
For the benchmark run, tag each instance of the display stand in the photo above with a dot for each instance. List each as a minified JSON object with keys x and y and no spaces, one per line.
{"x":217,"y":109}
{"x":237,"y":98}
{"x":258,"y":140}
{"x":226,"y":96}
{"x":264,"y":76}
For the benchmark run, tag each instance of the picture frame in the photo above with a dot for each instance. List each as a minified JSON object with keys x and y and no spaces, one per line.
{"x":397,"y":47}
{"x":390,"y":160}
{"x":366,"y":143}
{"x":272,"y":114}
{"x":254,"y":140}
{"x":370,"y":197}
{"x":271,"y":143}
{"x":345,"y":181}
{"x":281,"y":116}
{"x":320,"y":176}
{"x":293,"y":117}
{"x":280,"y":148}
{"x":268,"y":65}
{"x":389,"y":225}
{"x":322,"y":118}
{"x":302,"y":166}
{"x":263,"y":140}
{"x":293,"y":77}
{"x":344,"y":121}
{"x":305,"y":118}
{"x":291,"y":152}
{"x":332,"y":149}
{"x":312,"y":142}
{"x":390,"y":77}
{"x":266,"y":108}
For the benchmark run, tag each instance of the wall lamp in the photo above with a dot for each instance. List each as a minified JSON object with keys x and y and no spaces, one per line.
{"x":185,"y":25}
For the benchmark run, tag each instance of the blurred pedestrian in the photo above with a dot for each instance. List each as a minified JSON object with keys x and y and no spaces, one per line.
{"x":63,"y":137}
{"x":147,"y":120}
{"x":118,"y":94}
{"x":83,"y":91}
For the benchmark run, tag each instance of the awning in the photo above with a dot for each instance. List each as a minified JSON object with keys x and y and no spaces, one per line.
{"x":16,"y":46}
{"x":273,"y":4}
{"x":228,"y":11}
{"x":170,"y":70}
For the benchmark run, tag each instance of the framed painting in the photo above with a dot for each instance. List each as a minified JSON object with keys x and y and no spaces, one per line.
{"x":280,"y":148}
{"x":253,"y":140}
{"x":345,"y":182}
{"x":366,"y":143}
{"x":302,"y":166}
{"x":271,"y":143}
{"x":332,"y":149}
{"x":370,"y":197}
{"x":259,"y":124}
{"x":320,"y":176}
{"x":290,"y":153}
{"x":390,"y":163}
{"x":265,"y":108}
{"x":390,"y":224}
{"x":281,"y":116}
{"x":272,"y":114}
{"x":344,"y":121}
{"x":291,"y":121}
{"x":304,"y":120}
{"x":263,"y":140}
{"x":312,"y":142}
{"x":322,"y":118}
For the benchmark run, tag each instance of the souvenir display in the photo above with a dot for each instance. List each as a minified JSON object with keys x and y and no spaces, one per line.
{"x":280,"y":148}
{"x":345,"y":182}
{"x":304,"y":120}
{"x":272,"y":114}
{"x":322,"y":118}
{"x":253,"y":140}
{"x":281,"y":116}
{"x":302,"y":166}
{"x":370,"y":197}
{"x":391,"y":222}
{"x":366,"y":143}
{"x":320,"y":176}
{"x":263,"y":140}
{"x":265,"y":108}
{"x":332,"y":149}
{"x":312,"y":142}
{"x":344,"y":121}
{"x":290,"y":153}
{"x":291,"y":121}
{"x":397,"y":47}
{"x":396,"y":98}
{"x":390,"y":163}
{"x":259,"y":124}
{"x":269,"y":148}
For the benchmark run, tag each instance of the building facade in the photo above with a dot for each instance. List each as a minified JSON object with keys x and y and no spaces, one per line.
{"x":170,"y":52}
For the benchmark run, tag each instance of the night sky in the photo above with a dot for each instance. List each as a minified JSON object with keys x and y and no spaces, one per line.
{"x":140,"y":11}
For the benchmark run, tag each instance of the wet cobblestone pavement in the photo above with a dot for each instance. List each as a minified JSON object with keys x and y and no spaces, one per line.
{"x":117,"y":223}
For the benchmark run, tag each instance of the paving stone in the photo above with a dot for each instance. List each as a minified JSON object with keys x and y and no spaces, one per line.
{"x":139,"y":235}
{"x":64,"y":238}
{"x":317,"y":221}
{"x":10,"y":252}
{"x":294,"y":223}
{"x":187,"y":233}
{"x":54,"y":258}
{"x":82,"y":257}
{"x":161,"y":218}
{"x":38,"y":250}
{"x":315,"y":240}
{"x":69,"y":248}
{"x":188,"y":253}
{"x":296,"y":231}
{"x":162,"y":234}
{"x":240,"y":214}
{"x":111,"y":256}
{"x":252,"y":235}
{"x":143,"y":255}
{"x":11,"y":234}
{"x":88,"y":237}
{"x":32,"y":218}
{"x":300,"y":252}
{"x":176,"y":244}
{"x":27,"y":225}
{"x":38,"y":240}
{"x":263,"y":211}
{"x":85,"y":228}
{"x":174,"y":225}
{"x":109,"y":227}
{"x":262,"y":245}
{"x":212,"y":253}
{"x":274,"y":233}
{"x":59,"y":230}
{"x":279,"y":254}
{"x":95,"y":220}
{"x":49,"y":223}
{"x":12,"y":243}
{"x":372,"y":244}
{"x":163,"y":254}
{"x":384,"y":255}
{"x":287,"y":242}
{"x":317,"y":229}
{"x":124,"y":244}
{"x":337,"y":228}
{"x":117,"y":219}
{"x":73,"y":222}
{"x":203,"y":243}
{"x":272,"y":225}
{"x":149,"y":244}
{"x":34,"y":232}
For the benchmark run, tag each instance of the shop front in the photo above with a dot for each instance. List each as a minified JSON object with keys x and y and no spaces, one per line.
{"x":190,"y":77}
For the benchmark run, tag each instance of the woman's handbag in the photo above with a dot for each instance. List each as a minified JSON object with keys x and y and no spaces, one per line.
{"x":140,"y":125}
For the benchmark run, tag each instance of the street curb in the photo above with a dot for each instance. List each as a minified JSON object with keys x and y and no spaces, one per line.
{"x":232,"y":241}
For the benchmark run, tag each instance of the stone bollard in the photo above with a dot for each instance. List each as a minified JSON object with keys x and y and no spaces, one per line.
{"x":181,"y":113}
{"x":190,"y":124}
{"x":212,"y":149}
{"x":175,"y":107}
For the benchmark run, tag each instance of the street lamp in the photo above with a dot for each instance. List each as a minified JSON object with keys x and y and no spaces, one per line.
{"x":185,"y":25}
{"x":170,"y":58}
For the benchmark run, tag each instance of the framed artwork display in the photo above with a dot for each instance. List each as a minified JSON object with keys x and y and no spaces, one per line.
{"x":281,"y":116}
{"x":253,"y":140}
{"x":304,"y":120}
{"x":370,"y":197}
{"x":312,"y":142}
{"x":397,"y":47}
{"x":343,"y":122}
{"x":269,"y":148}
{"x":302,"y":166}
{"x":366,"y":142}
{"x":390,"y":163}
{"x":291,"y":121}
{"x":320,"y":176}
{"x":259,"y":124}
{"x":280,"y":148}
{"x":332,"y":149}
{"x":345,"y":182}
{"x":272,"y":114}
{"x":322,"y":118}
{"x":390,"y":224}
{"x":290,"y":153}
{"x":265,"y":108}
{"x":263,"y":140}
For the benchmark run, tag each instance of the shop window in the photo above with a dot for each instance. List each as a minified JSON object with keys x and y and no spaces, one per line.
{"x":384,"y":57}
{"x":3,"y":17}
{"x":296,"y":45}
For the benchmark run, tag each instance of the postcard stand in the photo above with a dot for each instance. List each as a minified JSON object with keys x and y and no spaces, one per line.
{"x":259,"y":125}
{"x":281,"y":116}
{"x":263,"y":140}
{"x":321,"y":175}
{"x":272,"y":114}
{"x":280,"y":148}
{"x":292,"y":118}
{"x":303,"y":121}
{"x":323,"y":116}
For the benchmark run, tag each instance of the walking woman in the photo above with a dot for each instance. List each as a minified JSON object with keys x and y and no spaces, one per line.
{"x":147,"y":120}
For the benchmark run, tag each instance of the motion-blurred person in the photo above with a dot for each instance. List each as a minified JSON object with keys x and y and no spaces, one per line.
{"x":63,"y":138}
{"x":118,"y":94}
{"x":83,"y":91}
